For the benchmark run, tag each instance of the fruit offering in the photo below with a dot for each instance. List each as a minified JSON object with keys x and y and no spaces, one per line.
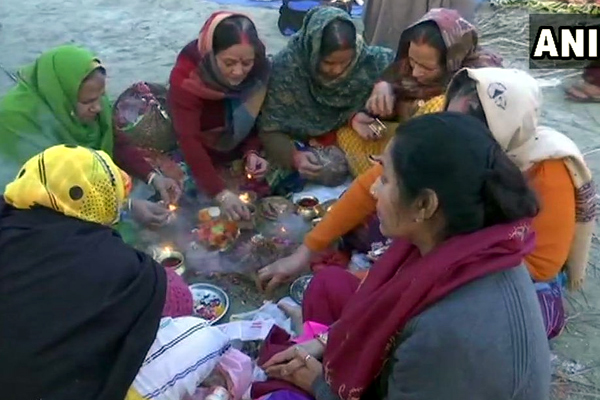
{"x":218,"y":234}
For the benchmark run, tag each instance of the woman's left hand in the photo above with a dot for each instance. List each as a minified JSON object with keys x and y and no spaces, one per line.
{"x":301,"y":371}
{"x":169,"y":190}
{"x":256,"y":165}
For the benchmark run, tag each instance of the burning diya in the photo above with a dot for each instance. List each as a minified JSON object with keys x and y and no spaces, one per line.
{"x":308,"y":207}
{"x":169,"y":258}
{"x":248,"y":197}
{"x":172,"y":208}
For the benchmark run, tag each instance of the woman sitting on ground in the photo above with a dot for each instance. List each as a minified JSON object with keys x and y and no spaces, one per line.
{"x":79,"y":308}
{"x":556,"y":170}
{"x":430,"y":52}
{"x":60,"y":99}
{"x":449,"y":311}
{"x":217,"y":88}
{"x":322,"y":77}
{"x":552,"y":162}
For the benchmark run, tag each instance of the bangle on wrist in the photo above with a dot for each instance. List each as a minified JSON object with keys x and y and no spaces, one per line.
{"x":152,"y":176}
{"x":322,"y":338}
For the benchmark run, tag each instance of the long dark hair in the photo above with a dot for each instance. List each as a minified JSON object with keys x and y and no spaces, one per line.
{"x":463,"y":86}
{"x":238,"y":29}
{"x":428,"y":32}
{"x":455,"y":156}
{"x":235,"y":30}
{"x":337,"y":35}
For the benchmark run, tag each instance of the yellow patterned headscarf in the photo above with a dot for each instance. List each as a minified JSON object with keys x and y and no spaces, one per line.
{"x":73,"y":180}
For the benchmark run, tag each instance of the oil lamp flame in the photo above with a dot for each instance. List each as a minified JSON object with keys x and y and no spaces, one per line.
{"x":249,"y":176}
{"x":245,"y":197}
{"x":172,"y":207}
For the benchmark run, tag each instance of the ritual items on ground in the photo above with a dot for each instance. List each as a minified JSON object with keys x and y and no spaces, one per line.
{"x":218,"y":234}
{"x":209,"y":214}
{"x":327,"y":206}
{"x":248,"y":197}
{"x":168,"y":257}
{"x":261,"y":251}
{"x":275,"y":207}
{"x":334,"y":171}
{"x":377,"y":249}
{"x":308,"y":207}
{"x":210,"y":302}
{"x":298,"y":288}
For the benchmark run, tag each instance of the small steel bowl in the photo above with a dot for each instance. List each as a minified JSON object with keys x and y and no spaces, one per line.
{"x":201,"y":291}
{"x":298,"y":287}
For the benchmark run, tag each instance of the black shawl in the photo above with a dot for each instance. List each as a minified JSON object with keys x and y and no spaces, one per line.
{"x":79,"y":308}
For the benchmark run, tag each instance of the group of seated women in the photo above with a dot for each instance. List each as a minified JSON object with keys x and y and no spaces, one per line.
{"x":228,"y":102}
{"x":482,"y":207}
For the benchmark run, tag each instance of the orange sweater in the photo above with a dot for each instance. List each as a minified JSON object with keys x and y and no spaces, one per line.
{"x":554,"y":225}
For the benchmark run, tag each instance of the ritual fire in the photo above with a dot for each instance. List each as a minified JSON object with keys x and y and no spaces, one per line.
{"x":248,"y":197}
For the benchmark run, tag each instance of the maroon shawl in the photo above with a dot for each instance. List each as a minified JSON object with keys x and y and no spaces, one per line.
{"x":462,"y":50}
{"x":400,"y":286}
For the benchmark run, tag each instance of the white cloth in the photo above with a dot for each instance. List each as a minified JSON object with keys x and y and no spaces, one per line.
{"x":184,"y":353}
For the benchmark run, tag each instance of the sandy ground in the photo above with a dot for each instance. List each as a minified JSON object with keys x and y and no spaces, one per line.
{"x":139,"y":40}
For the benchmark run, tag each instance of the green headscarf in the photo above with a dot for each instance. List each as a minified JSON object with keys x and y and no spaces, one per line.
{"x":40,"y":111}
{"x":302,"y":105}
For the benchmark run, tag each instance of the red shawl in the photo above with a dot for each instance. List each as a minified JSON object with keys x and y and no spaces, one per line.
{"x":400,"y":286}
{"x":205,"y":81}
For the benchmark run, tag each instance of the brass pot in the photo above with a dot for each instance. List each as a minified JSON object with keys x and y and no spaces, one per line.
{"x":171,"y":259}
{"x":308,"y":211}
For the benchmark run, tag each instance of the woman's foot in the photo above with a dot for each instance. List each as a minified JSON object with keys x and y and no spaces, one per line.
{"x":584,"y":93}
